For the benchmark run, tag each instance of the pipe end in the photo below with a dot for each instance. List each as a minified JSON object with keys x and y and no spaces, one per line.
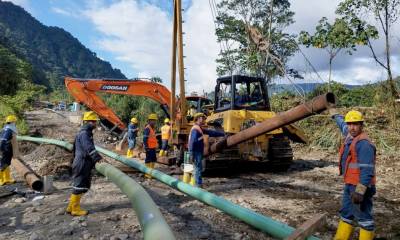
{"x":331,"y":98}
{"x":37,"y":185}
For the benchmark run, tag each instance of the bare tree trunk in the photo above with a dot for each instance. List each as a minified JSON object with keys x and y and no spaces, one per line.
{"x":330,"y":72}
{"x":392,"y":84}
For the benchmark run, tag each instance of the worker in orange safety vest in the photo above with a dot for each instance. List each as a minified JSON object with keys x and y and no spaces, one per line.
{"x":357,"y":165}
{"x":150,"y":142}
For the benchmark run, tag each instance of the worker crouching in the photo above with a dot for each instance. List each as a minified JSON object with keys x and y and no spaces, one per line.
{"x":357,"y":165}
{"x":85,"y":158}
{"x":132,"y":134}
{"x":150,"y":142}
{"x":165,"y":135}
{"x":196,"y":146}
{"x":6,"y":149}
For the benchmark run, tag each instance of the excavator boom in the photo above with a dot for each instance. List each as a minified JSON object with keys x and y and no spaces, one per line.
{"x":84,"y":92}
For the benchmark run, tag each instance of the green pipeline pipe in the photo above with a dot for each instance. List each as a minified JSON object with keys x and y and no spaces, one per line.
{"x":60,"y":143}
{"x":152,"y":221}
{"x":274,"y":228}
{"x":266,"y":224}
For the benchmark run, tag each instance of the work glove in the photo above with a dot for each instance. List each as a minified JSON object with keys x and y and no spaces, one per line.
{"x":332,"y":112}
{"x":357,"y":198}
{"x":358,"y":195}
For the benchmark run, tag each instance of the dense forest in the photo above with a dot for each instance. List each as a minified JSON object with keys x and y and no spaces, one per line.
{"x":52,"y":52}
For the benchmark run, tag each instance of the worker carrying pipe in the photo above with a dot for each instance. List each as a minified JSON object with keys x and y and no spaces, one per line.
{"x":357,"y":165}
{"x":6,"y":149}
{"x":196,"y":146}
{"x":85,"y":158}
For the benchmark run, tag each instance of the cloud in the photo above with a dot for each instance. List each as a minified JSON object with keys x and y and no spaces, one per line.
{"x":65,"y":12}
{"x":358,"y":68}
{"x":140,"y":34}
{"x":136,"y":33}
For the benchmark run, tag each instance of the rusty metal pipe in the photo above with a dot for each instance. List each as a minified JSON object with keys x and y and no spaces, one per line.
{"x":316,"y":105}
{"x":29,"y":175}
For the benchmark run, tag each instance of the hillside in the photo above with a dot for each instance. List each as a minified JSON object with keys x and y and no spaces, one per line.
{"x":53,"y":52}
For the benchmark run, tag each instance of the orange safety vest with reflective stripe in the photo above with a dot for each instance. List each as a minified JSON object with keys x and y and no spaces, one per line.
{"x":152,"y":139}
{"x":352,"y":166}
{"x":165,"y":132}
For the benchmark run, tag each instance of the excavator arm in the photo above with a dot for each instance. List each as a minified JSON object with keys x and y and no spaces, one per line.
{"x":84,"y":92}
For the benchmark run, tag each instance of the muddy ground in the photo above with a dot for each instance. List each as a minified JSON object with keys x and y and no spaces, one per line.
{"x":310,"y":187}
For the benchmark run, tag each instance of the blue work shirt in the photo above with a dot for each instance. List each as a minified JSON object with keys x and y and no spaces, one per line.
{"x":132,"y":131}
{"x":196,"y":142}
{"x":5,"y":140}
{"x":365,"y":153}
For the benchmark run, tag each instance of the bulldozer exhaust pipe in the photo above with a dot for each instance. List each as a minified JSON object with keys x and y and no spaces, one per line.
{"x":316,"y":105}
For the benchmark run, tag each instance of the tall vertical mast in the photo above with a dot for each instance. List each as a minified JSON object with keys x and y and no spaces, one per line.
{"x":172,"y":109}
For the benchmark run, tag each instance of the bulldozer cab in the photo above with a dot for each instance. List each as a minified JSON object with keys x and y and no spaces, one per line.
{"x":241,"y":92}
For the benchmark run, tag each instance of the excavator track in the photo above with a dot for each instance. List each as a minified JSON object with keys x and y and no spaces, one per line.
{"x":280,"y":153}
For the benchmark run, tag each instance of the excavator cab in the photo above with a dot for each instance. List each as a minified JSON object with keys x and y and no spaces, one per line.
{"x":241,"y":92}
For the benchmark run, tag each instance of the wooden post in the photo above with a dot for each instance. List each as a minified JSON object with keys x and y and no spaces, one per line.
{"x":308,"y":228}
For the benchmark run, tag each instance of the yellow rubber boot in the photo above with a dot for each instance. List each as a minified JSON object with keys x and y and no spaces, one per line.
{"x":161,"y":153}
{"x":192,"y":181}
{"x":76,"y":205}
{"x":2,"y":182}
{"x":186,"y":177}
{"x":366,"y":235}
{"x":7,"y":178}
{"x":69,"y":207}
{"x":148,"y":165}
{"x":344,"y":231}
{"x":129,"y":153}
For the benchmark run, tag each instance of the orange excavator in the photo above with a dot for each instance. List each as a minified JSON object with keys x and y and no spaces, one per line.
{"x":84,"y":91}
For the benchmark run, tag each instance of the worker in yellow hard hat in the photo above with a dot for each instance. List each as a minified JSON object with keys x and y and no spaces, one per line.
{"x":6,"y":149}
{"x":357,"y":165}
{"x":85,"y":158}
{"x":165,"y":136}
{"x":150,"y":142}
{"x":132,"y":134}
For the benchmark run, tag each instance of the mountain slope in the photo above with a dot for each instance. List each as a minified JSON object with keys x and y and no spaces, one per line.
{"x":53,"y":52}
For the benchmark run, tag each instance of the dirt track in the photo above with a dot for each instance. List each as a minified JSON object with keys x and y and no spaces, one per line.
{"x":311,"y":186}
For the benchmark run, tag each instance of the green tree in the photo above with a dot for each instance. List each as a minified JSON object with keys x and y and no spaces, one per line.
{"x":234,"y":19}
{"x":338,"y":36}
{"x":386,"y":12}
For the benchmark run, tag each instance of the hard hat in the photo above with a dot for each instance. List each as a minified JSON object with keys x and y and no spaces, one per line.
{"x":166,"y":120}
{"x":198,"y":115}
{"x":11,"y":118}
{"x":353,"y":116}
{"x":152,"y":116}
{"x":90,"y":116}
{"x":134,"y":120}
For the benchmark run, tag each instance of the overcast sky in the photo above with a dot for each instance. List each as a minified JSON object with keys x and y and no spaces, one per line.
{"x":135,"y":36}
